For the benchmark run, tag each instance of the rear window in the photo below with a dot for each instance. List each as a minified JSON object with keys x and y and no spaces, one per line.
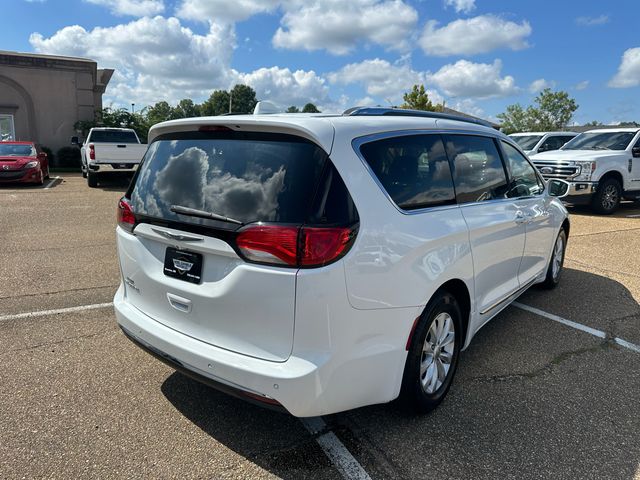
{"x":113,"y":136}
{"x":413,"y":169}
{"x":248,"y":177}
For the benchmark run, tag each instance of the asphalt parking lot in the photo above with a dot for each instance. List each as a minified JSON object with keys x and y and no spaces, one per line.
{"x":533,"y":398}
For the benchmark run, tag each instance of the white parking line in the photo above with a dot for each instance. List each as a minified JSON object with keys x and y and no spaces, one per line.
{"x":44,"y":313}
{"x":577,"y":326}
{"x":347,"y":465}
{"x":51,"y":182}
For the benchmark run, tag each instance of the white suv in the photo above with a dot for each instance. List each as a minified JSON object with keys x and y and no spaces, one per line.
{"x":538,"y":142}
{"x":319,"y":263}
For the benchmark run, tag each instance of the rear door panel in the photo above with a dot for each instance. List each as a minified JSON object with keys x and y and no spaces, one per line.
{"x":238,"y":306}
{"x":119,"y":153}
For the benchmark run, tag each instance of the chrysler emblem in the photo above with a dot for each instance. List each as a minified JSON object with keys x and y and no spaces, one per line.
{"x":546,"y":170}
{"x":182,"y":266}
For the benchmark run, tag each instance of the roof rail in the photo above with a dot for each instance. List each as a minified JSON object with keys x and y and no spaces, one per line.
{"x":401,"y":112}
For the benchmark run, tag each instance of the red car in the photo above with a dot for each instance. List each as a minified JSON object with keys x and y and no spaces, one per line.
{"x":23,"y":162}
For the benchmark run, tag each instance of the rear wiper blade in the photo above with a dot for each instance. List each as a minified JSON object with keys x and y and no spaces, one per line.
{"x":193,"y":212}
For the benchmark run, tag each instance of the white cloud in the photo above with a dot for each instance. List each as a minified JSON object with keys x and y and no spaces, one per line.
{"x":382,"y":79}
{"x":160,"y":59}
{"x":540,"y":84}
{"x":474,"y":80}
{"x":224,"y":10}
{"x":155,"y":58}
{"x":582,"y":85}
{"x":592,"y":21}
{"x":134,"y":8}
{"x":629,"y":70}
{"x":284,"y":87}
{"x":464,"y":6}
{"x":475,"y":35}
{"x":468,"y":106}
{"x":338,"y":26}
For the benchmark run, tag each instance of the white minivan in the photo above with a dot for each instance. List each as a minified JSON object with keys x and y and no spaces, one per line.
{"x":319,"y":263}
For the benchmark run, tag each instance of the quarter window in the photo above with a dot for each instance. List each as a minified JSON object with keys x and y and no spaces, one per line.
{"x":478,"y":172}
{"x":413,"y":169}
{"x":524,"y":181}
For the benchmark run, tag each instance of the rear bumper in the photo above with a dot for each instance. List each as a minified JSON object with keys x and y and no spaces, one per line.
{"x":290,"y":384}
{"x":354,"y":365}
{"x":113,"y":167}
{"x":186,"y":370}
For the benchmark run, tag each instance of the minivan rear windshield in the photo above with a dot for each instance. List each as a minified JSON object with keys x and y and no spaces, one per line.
{"x":113,"y":136}
{"x":249,"y":177}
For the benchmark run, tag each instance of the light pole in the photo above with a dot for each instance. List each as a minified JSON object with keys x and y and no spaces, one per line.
{"x":133,"y":105}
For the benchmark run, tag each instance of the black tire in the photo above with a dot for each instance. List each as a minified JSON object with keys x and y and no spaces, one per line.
{"x":552,"y":278}
{"x":413,"y":395}
{"x":92,"y":179}
{"x":606,"y":200}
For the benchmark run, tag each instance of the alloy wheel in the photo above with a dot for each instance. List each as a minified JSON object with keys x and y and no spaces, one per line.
{"x":558,"y":256}
{"x":437,"y":353}
{"x":610,"y":197}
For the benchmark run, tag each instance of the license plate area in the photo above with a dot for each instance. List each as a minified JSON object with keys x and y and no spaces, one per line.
{"x":186,"y":266}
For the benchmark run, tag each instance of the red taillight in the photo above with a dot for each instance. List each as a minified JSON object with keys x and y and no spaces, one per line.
{"x":92,"y":151}
{"x":294,"y":246}
{"x":126,"y":218}
{"x":269,"y":244}
{"x":322,"y":245}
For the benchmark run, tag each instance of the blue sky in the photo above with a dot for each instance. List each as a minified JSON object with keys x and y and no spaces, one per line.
{"x":477,"y":55}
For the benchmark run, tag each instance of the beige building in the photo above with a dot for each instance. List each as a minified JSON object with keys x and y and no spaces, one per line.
{"x":43,"y":96}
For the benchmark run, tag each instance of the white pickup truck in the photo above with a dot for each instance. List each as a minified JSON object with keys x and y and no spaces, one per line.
{"x":109,"y":149}
{"x":602,"y":167}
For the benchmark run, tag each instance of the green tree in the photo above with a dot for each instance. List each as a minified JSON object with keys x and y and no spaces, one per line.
{"x":293,"y":109}
{"x":551,"y":111}
{"x":160,"y":112}
{"x":514,"y":119}
{"x":217,"y":104}
{"x":310,"y":108}
{"x":186,"y":109}
{"x":418,"y":99}
{"x":243,"y":99}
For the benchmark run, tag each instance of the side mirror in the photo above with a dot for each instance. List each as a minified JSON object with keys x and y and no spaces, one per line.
{"x":543,"y":148}
{"x":75,"y":141}
{"x":635,"y":151}
{"x":42,"y":155}
{"x":558,"y":188}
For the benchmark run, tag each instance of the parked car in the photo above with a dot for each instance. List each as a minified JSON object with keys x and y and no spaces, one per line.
{"x":602,"y":167}
{"x":538,"y":142}
{"x":109,"y":149}
{"x":320,"y":263}
{"x":23,"y":162}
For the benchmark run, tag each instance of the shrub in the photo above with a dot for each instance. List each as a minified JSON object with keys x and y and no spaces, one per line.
{"x":68,"y":157}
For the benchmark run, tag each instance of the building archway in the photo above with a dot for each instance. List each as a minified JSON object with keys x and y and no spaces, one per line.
{"x":28,"y":103}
